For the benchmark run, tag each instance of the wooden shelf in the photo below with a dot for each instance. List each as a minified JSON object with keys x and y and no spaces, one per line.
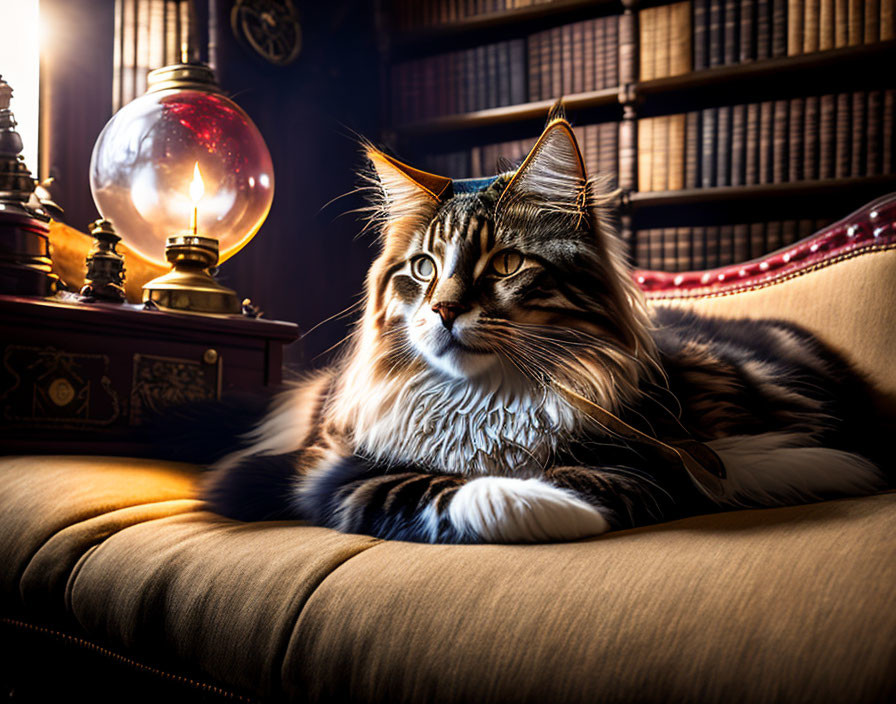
{"x":692,"y":196}
{"x":425,"y":40}
{"x":509,"y":113}
{"x":785,"y":66}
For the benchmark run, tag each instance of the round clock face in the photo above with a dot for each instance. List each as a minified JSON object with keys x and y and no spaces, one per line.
{"x":270,"y":27}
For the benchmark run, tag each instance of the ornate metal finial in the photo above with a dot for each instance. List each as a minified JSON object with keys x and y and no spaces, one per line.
{"x":105,"y":266}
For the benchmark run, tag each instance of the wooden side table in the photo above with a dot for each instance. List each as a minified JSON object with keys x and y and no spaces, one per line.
{"x":78,"y":377}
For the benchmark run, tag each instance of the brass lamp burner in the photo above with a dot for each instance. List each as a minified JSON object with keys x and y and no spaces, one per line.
{"x":189,"y":286}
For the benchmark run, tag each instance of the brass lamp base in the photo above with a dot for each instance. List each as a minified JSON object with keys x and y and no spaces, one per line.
{"x":189,"y":287}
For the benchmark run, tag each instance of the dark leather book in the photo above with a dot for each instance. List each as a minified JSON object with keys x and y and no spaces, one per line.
{"x":692,"y":149}
{"x":795,"y":29}
{"x":888,"y":155}
{"x":795,"y":139}
{"x":747,"y":39}
{"x":826,"y":25}
{"x":859,"y":136}
{"x":738,"y":144}
{"x":708,"y":138}
{"x":763,"y":29}
{"x":608,"y":136}
{"x":670,"y":249}
{"x":587,"y":57}
{"x":642,"y":249}
{"x":700,"y":15}
{"x":779,"y":142}
{"x":429,"y":97}
{"x":517,"y":55}
{"x":773,"y":236}
{"x":810,"y":138}
{"x":826,"y":137}
{"x":788,"y":232}
{"x":751,"y":146}
{"x":682,"y":249}
{"x":874,"y":157}
{"x":887,"y":20}
{"x":655,"y":248}
{"x":611,"y":51}
{"x":872,"y":22}
{"x":855,"y":22}
{"x":757,"y":239}
{"x":676,"y":142}
{"x":481,"y":78}
{"x":811,"y":21}
{"x":493,"y":76}
{"x":716,"y":33}
{"x":726,"y":245}
{"x":711,"y":247}
{"x":843,"y":131}
{"x":544,"y":67}
{"x":723,"y":146}
{"x":841,"y":23}
{"x":766,"y":140}
{"x":457,"y":81}
{"x":731,"y":20}
{"x":600,"y":50}
{"x":578,"y":56}
{"x":741,"y":243}
{"x":533,"y":54}
{"x":566,"y":57}
{"x":592,"y":150}
{"x":779,"y":28}
{"x":556,"y":63}
{"x":804,"y":228}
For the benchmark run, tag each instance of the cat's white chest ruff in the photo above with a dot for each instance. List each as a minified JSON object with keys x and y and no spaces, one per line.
{"x":462,"y":429}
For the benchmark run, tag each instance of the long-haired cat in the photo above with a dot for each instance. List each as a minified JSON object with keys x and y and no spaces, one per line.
{"x":507,"y":383}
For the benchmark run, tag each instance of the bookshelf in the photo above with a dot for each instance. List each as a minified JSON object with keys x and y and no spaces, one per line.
{"x":733,"y":123}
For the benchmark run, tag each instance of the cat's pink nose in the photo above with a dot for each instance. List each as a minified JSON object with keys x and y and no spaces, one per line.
{"x":449,"y":310}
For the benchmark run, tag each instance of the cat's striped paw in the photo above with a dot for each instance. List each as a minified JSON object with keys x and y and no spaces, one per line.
{"x":509,"y":510}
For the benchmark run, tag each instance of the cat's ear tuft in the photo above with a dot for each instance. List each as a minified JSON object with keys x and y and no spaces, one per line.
{"x":553,"y":174}
{"x":406,"y":195}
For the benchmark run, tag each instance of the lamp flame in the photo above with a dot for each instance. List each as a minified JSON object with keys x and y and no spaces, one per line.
{"x":197,"y":187}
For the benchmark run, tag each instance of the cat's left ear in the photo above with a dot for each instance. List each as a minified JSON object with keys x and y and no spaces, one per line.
{"x":553,"y":175}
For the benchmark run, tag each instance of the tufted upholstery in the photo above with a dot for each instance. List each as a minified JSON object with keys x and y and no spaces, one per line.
{"x":116,"y":558}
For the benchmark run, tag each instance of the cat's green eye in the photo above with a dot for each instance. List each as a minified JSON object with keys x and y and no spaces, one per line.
{"x":423,"y":268}
{"x":507,"y":262}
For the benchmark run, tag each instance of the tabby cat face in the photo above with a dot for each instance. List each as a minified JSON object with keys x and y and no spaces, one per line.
{"x":517,"y":278}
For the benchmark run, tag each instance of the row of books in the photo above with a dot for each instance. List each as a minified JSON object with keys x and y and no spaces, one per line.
{"x":412,"y":14}
{"x":599,"y":144}
{"x":574,"y":58}
{"x":807,"y":138}
{"x":700,"y":34}
{"x":487,"y":76}
{"x":705,"y":247}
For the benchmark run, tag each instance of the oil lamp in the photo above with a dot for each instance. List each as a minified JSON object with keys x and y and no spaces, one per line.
{"x":184,"y":171}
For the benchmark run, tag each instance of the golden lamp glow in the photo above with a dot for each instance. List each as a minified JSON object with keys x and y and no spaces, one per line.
{"x":197,"y":190}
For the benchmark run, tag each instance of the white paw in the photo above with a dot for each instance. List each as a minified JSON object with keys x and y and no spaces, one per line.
{"x":508,"y":510}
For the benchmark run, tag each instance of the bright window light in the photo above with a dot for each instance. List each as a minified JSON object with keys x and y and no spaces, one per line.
{"x":20,"y":67}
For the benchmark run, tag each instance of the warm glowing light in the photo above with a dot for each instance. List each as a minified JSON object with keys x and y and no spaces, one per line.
{"x":197,"y":187}
{"x":20,"y":67}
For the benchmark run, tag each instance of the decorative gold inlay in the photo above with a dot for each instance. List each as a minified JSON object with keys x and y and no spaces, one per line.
{"x":61,"y":392}
{"x":210,"y":356}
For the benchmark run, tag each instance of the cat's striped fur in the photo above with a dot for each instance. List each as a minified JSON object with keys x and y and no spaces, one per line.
{"x":443,"y":421}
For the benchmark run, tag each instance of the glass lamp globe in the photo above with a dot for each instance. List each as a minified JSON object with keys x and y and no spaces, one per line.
{"x":182,"y":158}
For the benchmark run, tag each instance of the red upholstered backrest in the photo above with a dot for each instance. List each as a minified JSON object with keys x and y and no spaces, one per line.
{"x":869,"y":228}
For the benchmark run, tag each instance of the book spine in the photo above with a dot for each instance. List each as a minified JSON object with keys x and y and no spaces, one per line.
{"x":887,"y":20}
{"x":843,"y":133}
{"x":826,"y":25}
{"x":811,"y":22}
{"x":779,"y":143}
{"x":788,"y":232}
{"x":731,"y":34}
{"x":811,"y":138}
{"x":763,"y":29}
{"x":533,"y":53}
{"x":757,"y":240}
{"x":481,"y":78}
{"x":795,"y":140}
{"x":611,"y":52}
{"x":578,"y":53}
{"x":738,"y":144}
{"x":692,"y":150}
{"x":645,"y":154}
{"x":556,"y":63}
{"x":723,"y":148}
{"x":588,"y":56}
{"x":663,"y":41}
{"x":741,"y":243}
{"x":627,"y":55}
{"x":726,"y":245}
{"x":655,"y":244}
{"x":873,"y":133}
{"x":701,"y":39}
{"x":711,"y":248}
{"x":593,"y":148}
{"x":841,"y":23}
{"x":599,"y":57}
{"x":773,"y":236}
{"x":872,"y":22}
{"x":747,"y":39}
{"x":794,"y":27}
{"x":766,"y":141}
{"x":544,"y":67}
{"x":751,"y":158}
{"x":682,"y":248}
{"x":609,"y":150}
{"x":676,"y":151}
{"x":566,"y":58}
{"x":779,"y":28}
{"x":826,"y":135}
{"x":857,"y":167}
{"x":680,"y":38}
{"x":660,"y":167}
{"x":888,"y":156}
{"x":517,"y":56}
{"x":708,"y":158}
{"x":642,"y":250}
{"x":670,"y":250}
{"x":716,"y":29}
{"x":856,"y":22}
